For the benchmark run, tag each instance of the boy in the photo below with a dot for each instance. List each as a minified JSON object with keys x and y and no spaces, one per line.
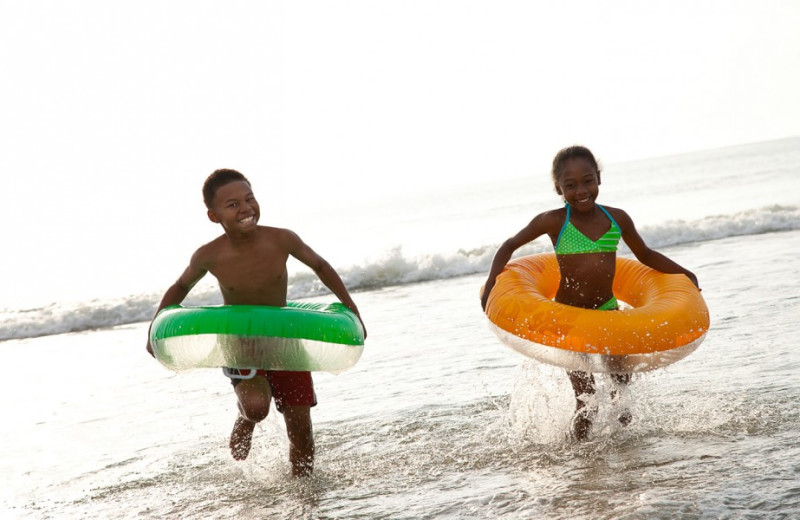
{"x":249,"y":262}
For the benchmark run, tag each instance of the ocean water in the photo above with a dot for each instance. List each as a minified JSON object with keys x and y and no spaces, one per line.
{"x":439,"y":419}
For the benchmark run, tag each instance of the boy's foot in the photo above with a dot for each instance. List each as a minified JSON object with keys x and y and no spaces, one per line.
{"x":241,"y":438}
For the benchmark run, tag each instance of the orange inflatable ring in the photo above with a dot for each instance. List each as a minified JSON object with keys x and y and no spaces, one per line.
{"x":666,"y":321}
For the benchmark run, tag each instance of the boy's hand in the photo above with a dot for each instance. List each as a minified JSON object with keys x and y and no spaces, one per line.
{"x":150,"y":349}
{"x":363,"y":326}
{"x":355,"y":311}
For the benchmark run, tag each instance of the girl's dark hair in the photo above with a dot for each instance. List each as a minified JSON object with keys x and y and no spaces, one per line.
{"x":217,"y":180}
{"x":572,"y":152}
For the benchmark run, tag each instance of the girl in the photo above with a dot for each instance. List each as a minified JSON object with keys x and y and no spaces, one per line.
{"x":585,"y":237}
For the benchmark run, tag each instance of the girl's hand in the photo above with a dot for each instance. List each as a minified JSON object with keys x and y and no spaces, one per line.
{"x":485,"y":291}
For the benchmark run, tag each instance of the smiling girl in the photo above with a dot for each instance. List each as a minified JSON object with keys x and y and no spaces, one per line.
{"x":585,"y":236}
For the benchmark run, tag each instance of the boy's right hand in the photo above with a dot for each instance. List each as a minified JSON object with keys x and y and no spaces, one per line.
{"x":150,"y":349}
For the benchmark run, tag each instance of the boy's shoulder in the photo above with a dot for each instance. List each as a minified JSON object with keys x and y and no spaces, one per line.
{"x":275,"y":233}
{"x":208,"y":253}
{"x":275,"y":236}
{"x":210,"y":249}
{"x":261,"y":233}
{"x":272,"y":229}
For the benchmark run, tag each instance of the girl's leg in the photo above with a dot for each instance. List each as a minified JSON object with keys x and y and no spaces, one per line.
{"x":619,"y":380}
{"x":583,"y":386}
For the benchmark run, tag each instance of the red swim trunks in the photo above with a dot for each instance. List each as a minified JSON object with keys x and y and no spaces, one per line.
{"x":288,"y":388}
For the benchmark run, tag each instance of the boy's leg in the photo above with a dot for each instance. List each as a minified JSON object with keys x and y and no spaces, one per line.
{"x":254,"y":396}
{"x":582,"y":385}
{"x":301,"y":439}
{"x":294,"y":396}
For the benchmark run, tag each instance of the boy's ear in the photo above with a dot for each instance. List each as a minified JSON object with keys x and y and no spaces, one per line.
{"x":213,"y":216}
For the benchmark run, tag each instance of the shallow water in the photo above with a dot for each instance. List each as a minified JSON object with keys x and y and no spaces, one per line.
{"x":437,"y":420}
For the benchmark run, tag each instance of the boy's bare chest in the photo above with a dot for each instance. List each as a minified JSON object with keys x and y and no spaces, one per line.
{"x":251,"y":272}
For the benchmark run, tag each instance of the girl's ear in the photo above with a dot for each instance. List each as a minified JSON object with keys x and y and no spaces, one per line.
{"x":598,"y":178}
{"x":212,"y":216}
{"x":558,"y":188}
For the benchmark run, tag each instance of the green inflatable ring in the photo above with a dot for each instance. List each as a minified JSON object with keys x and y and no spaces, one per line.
{"x":300,"y":336}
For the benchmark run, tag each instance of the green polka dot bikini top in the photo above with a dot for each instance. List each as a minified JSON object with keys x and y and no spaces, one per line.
{"x":572,"y":242}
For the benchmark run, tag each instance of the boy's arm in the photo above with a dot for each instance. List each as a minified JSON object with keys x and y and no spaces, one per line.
{"x":536,"y":228}
{"x":177,"y":292}
{"x":644,"y":254}
{"x":326,"y":273}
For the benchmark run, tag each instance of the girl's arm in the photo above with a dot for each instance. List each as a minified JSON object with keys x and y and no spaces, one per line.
{"x":537,"y":227}
{"x":644,"y":254}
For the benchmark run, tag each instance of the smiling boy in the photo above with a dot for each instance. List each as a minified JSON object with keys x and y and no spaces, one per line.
{"x":249,"y":262}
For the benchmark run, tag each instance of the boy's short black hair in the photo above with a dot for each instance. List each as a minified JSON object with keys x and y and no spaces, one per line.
{"x":217,"y":180}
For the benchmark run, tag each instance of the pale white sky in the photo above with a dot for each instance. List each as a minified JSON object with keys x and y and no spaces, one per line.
{"x":113,"y":112}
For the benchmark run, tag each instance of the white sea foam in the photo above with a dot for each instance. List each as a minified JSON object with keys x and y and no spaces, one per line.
{"x":393,"y":268}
